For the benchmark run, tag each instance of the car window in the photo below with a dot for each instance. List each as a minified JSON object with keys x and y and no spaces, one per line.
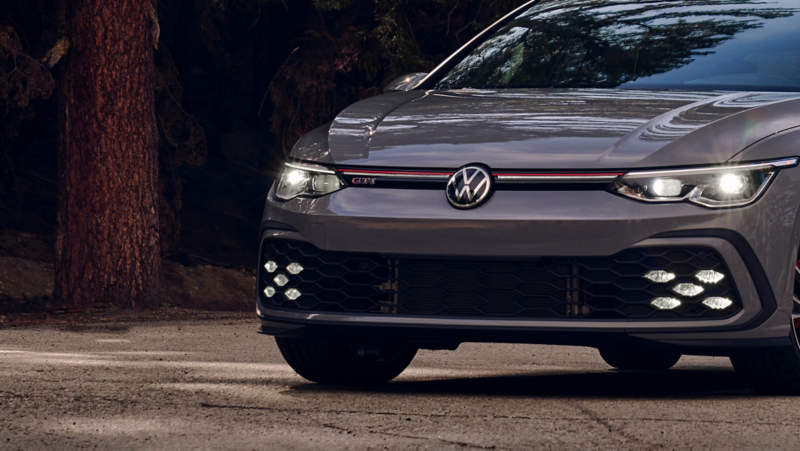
{"x":703,"y":45}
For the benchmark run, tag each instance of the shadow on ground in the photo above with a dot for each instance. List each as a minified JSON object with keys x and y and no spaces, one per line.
{"x":611,"y":384}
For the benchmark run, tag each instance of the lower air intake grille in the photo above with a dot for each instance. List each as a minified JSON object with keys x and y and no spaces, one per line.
{"x":297,"y":276}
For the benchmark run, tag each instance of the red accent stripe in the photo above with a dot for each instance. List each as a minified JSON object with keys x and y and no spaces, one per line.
{"x":584,"y":174}
{"x":359,"y":171}
{"x":599,"y":174}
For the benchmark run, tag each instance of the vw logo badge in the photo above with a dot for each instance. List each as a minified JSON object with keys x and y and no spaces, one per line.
{"x":470,"y":187}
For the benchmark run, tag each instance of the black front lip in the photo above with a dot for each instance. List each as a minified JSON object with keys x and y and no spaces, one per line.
{"x":438,"y":337}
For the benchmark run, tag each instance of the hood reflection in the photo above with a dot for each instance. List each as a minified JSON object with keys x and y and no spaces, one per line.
{"x":528,"y":128}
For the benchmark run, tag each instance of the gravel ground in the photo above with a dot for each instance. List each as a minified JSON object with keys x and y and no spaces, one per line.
{"x":217,"y":384}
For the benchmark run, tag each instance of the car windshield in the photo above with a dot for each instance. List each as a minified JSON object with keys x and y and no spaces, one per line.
{"x":736,"y":45}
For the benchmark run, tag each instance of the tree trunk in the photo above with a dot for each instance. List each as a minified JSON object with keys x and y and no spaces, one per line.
{"x":107,"y":246}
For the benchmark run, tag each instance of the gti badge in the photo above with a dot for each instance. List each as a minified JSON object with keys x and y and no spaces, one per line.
{"x":470,"y":187}
{"x":364,"y":180}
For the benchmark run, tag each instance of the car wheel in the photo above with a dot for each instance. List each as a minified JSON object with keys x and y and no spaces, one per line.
{"x":775,"y":371}
{"x":363,"y":364}
{"x":639,"y":359}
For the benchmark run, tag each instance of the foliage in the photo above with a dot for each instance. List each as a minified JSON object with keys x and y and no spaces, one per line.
{"x":182,"y":143}
{"x":23,"y":80}
{"x":346,"y":50}
{"x":354,"y":48}
{"x":270,"y":70}
{"x":223,"y":5}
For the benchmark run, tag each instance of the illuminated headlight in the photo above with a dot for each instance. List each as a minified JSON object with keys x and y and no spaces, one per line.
{"x":713,"y":187}
{"x":307,"y":180}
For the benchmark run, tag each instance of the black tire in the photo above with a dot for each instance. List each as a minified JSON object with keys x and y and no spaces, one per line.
{"x":639,"y":359}
{"x":773,"y":371}
{"x":344,"y":364}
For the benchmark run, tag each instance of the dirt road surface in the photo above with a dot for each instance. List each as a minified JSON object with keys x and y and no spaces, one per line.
{"x":220,"y":385}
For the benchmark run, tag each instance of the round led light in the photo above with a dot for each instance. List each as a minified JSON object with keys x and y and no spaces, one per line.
{"x":296,"y":177}
{"x":663,"y":187}
{"x":269,"y":291}
{"x":325,"y":183}
{"x":281,"y":280}
{"x":270,"y":266}
{"x":732,"y":183}
{"x":294,"y":269}
{"x":659,"y":276}
{"x":665,"y":303}
{"x":717,"y":303}
{"x":709,"y":276}
{"x":688,"y":289}
{"x":292,"y":294}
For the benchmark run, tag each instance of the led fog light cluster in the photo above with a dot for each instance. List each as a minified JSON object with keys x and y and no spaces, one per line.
{"x":688,"y":290}
{"x":709,"y":276}
{"x":665,"y":303}
{"x":281,"y":280}
{"x":718,"y":303}
{"x":659,"y":276}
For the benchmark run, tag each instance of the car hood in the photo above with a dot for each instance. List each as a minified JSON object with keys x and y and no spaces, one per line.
{"x":552,"y":129}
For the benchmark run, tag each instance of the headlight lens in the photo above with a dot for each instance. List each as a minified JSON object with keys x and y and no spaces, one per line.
{"x":713,"y":187}
{"x":307,"y":180}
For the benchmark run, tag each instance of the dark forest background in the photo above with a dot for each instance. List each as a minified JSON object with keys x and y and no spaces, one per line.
{"x":239,"y":82}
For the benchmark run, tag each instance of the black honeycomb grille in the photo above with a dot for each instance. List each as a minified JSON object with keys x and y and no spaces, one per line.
{"x":572,"y":288}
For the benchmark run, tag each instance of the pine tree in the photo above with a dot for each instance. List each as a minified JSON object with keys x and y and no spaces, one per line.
{"x":107,"y":246}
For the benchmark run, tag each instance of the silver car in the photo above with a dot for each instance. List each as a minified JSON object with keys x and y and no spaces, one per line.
{"x":613,"y":174}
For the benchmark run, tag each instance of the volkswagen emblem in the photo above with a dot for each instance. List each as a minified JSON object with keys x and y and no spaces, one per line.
{"x":470,"y":187}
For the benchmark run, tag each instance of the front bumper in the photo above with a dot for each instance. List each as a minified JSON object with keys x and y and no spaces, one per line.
{"x":757,"y":243}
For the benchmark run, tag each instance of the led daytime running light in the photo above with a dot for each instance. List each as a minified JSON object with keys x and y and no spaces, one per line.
{"x":712,"y":187}
{"x":318,"y":169}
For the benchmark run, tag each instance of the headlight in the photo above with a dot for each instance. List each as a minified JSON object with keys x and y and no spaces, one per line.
{"x":713,"y":187}
{"x":307,"y":180}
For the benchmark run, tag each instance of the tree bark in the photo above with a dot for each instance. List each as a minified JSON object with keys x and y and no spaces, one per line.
{"x":107,"y":244}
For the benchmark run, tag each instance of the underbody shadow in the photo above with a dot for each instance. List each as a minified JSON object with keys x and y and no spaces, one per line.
{"x":610,"y":384}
